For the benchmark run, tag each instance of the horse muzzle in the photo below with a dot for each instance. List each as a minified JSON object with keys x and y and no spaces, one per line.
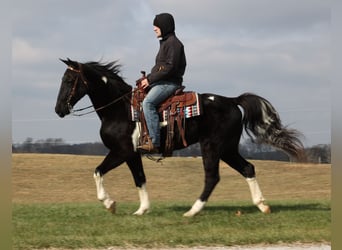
{"x":63,"y":110}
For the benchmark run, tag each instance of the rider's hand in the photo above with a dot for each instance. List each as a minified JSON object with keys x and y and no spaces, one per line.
{"x":144,"y":83}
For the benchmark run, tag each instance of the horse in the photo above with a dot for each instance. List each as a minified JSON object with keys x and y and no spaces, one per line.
{"x":218,"y":131}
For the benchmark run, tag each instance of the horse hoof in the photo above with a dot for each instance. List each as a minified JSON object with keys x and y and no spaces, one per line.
{"x":267,"y":209}
{"x":112,"y":208}
{"x":264,"y":208}
{"x":195,"y":209}
{"x":141,"y":211}
{"x":188,"y":214}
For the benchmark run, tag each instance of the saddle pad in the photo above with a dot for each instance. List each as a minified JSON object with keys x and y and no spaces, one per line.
{"x":189,"y":111}
{"x":134,"y":113}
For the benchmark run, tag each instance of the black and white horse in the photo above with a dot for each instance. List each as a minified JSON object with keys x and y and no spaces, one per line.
{"x":218,"y":130}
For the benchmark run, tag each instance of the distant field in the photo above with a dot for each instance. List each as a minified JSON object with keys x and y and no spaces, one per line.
{"x":55,"y":205}
{"x":46,"y":178}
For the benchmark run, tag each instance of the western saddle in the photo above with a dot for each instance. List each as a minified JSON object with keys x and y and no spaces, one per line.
{"x":171,"y":111}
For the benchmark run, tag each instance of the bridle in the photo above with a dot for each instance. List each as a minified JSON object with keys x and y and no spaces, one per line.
{"x":73,"y":90}
{"x":84,"y":81}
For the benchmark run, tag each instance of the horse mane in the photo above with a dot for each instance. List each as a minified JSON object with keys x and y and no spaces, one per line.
{"x":111,"y":69}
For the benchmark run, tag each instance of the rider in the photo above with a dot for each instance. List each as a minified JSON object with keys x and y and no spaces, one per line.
{"x":166,"y":76}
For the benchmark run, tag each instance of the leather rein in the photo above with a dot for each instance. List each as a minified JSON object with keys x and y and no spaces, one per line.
{"x":73,"y":91}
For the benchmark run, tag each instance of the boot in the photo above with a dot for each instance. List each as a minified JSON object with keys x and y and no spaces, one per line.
{"x":149,"y":147}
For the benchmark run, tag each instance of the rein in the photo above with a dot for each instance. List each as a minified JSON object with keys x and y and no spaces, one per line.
{"x":74,"y":112}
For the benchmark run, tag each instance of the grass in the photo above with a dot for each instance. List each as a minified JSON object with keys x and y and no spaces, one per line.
{"x":87,"y":225}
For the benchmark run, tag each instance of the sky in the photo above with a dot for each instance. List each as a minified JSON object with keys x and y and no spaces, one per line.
{"x":279,"y":50}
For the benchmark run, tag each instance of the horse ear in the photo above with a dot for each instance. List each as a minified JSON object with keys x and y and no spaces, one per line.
{"x":70,"y":63}
{"x":64,"y":61}
{"x":67,"y":62}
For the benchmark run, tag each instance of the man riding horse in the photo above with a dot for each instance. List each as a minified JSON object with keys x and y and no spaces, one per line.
{"x":166,"y":76}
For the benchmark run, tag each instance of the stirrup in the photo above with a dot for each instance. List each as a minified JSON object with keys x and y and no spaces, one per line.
{"x":148,"y":147}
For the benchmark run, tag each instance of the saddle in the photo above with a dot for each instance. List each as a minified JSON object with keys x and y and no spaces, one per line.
{"x":173,"y":111}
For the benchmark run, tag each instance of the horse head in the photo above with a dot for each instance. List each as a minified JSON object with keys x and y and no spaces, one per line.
{"x":100,"y":81}
{"x":74,"y":87}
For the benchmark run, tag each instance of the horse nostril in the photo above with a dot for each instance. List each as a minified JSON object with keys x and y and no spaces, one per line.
{"x":59,"y":113}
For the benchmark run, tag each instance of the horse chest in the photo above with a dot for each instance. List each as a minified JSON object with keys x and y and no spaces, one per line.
{"x":116,"y":132}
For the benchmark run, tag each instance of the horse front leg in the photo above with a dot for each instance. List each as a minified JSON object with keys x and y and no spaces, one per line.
{"x":102,"y":195}
{"x":212,"y":177}
{"x":110,"y":162}
{"x":135,"y":165}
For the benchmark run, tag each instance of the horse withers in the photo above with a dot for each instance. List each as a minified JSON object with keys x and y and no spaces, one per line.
{"x":218,"y":130}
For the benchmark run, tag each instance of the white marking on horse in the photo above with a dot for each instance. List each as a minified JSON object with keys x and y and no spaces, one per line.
{"x":101,"y":193}
{"x":242,"y":111}
{"x":196,"y":208}
{"x":104,"y":79}
{"x":211,"y":98}
{"x":136,"y":135}
{"x":144,"y":201}
{"x":257,"y":197}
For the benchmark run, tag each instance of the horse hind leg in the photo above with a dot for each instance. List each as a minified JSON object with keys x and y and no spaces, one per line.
{"x":144,"y":201}
{"x":257,"y":197}
{"x":247,"y":170}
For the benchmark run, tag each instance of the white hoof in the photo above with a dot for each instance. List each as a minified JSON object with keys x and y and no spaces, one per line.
{"x":141,"y":211}
{"x":195,"y":209}
{"x":189,"y":214}
{"x":264,"y":208}
{"x":111,"y":207}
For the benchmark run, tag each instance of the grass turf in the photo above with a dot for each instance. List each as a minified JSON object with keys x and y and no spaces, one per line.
{"x":88,"y":225}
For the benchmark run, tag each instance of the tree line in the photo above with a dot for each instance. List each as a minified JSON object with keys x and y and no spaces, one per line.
{"x":316,"y":154}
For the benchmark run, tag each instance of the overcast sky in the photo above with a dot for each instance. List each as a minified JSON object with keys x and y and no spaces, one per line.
{"x":277,"y":49}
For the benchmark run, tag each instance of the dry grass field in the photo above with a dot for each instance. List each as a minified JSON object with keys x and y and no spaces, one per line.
{"x":50,"y":178}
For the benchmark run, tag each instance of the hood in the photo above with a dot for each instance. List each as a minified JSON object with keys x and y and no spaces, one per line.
{"x":165,"y":23}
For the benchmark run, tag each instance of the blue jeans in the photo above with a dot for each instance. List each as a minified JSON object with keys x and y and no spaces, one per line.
{"x":159,"y":92}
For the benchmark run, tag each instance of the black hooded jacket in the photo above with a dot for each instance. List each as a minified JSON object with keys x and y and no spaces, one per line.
{"x":170,"y":61}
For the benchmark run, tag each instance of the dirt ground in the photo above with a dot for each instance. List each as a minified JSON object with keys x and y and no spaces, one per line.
{"x":258,"y":247}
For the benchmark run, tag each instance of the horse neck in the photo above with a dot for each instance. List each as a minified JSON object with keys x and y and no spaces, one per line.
{"x":114,"y":95}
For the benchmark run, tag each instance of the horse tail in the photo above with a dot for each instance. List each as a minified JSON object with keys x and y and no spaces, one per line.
{"x":261,"y":118}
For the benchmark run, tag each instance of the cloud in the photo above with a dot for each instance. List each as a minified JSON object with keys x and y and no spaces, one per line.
{"x":24,"y":52}
{"x":256,"y":16}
